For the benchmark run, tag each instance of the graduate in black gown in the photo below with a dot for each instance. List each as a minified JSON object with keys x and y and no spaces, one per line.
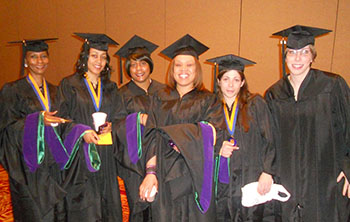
{"x":311,"y":112}
{"x":248,"y":152}
{"x":91,"y":180}
{"x":184,"y":144}
{"x":34,"y":176}
{"x":136,"y":95}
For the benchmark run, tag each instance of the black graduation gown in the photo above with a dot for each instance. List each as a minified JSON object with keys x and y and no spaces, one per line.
{"x":91,"y":196}
{"x":171,"y":115}
{"x":36,"y":196}
{"x":135,"y":99}
{"x":256,"y":154}
{"x":313,"y":140}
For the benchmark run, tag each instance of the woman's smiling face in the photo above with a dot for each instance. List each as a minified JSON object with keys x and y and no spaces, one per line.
{"x":97,"y":61}
{"x":184,"y":70}
{"x":299,"y":61}
{"x":37,"y":62}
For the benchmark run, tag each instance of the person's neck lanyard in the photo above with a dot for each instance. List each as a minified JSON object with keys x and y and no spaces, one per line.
{"x":231,"y":119}
{"x":43,"y":97}
{"x":96,"y":99}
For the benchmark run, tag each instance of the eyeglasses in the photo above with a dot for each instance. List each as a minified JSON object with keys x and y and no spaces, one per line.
{"x":301,"y":52}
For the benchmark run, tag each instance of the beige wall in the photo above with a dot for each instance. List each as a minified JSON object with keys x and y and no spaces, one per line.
{"x":241,"y":27}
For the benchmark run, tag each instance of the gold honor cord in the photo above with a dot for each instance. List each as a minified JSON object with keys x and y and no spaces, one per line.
{"x":44,"y":99}
{"x":231,"y":120}
{"x":96,"y":99}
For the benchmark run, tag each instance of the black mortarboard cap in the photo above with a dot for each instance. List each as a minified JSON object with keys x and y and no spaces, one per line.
{"x":300,"y":36}
{"x":187,"y":45}
{"x":35,"y":45}
{"x":229,"y":62}
{"x":97,"y":40}
{"x":136,"y":45}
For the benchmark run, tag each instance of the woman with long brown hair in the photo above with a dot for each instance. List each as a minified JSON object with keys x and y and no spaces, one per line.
{"x":247,"y":153}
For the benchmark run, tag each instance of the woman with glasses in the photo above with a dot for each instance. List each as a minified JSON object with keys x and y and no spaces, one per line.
{"x":310,"y":108}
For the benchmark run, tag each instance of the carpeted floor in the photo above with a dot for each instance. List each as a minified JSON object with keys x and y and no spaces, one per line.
{"x":5,"y":199}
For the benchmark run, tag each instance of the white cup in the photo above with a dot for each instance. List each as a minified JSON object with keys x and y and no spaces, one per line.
{"x":99,"y":118}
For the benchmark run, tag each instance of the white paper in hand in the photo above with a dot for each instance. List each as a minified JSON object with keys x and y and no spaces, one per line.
{"x":152,"y":194}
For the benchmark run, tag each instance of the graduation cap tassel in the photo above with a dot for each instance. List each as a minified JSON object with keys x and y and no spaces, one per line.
{"x":283,"y":57}
{"x":215,"y":82}
{"x":121,"y":70}
{"x":86,"y":52}
{"x":23,"y":58}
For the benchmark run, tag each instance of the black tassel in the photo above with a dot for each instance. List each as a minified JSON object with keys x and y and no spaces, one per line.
{"x":23,"y":57}
{"x":86,"y":52}
{"x":215,"y":82}
{"x":121,"y":70}
{"x":283,"y":58}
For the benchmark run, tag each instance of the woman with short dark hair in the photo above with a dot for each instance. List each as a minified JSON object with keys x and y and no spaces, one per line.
{"x":136,"y":98}
{"x":26,"y":107}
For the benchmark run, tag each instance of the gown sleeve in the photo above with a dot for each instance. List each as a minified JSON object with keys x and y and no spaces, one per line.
{"x":189,"y":138}
{"x":269,"y":98}
{"x":344,"y":97}
{"x":11,"y":128}
{"x":128,"y":134}
{"x":265,"y":126}
{"x":72,"y":133}
{"x":213,"y":114}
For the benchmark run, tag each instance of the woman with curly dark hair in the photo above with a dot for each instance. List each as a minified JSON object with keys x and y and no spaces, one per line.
{"x":91,"y":180}
{"x":247,"y":153}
